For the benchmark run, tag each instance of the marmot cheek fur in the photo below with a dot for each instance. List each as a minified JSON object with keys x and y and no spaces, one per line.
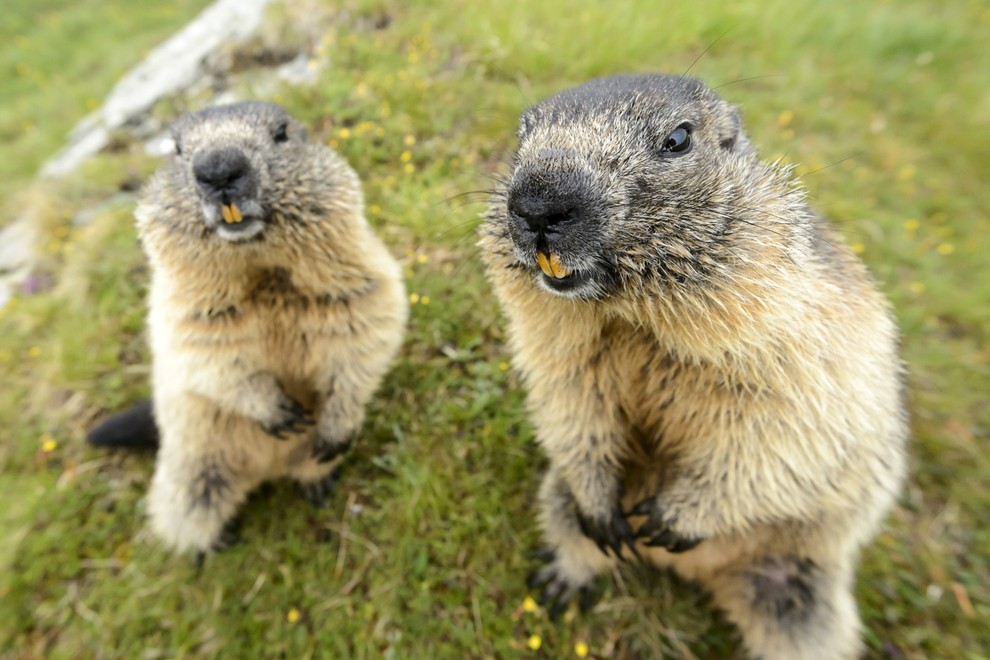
{"x":714,"y":377}
{"x":274,"y":312}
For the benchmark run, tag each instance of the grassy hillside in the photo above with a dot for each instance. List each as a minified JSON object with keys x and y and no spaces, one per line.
{"x":424,"y":549}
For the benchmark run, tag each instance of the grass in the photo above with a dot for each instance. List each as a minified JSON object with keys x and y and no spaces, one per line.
{"x":424,"y":549}
{"x":58,"y":61}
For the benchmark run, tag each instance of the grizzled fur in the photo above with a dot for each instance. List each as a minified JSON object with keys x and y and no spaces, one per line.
{"x":715,"y":378}
{"x":270,"y":334}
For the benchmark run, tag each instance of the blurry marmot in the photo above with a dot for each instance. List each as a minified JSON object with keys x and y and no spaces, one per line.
{"x":274,"y":312}
{"x":714,"y":378}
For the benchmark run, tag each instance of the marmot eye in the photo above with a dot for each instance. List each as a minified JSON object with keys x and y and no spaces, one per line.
{"x":679,"y":141}
{"x":281,"y":133}
{"x":178,"y":148}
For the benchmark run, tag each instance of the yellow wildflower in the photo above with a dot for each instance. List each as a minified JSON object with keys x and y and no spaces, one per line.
{"x":581,"y":650}
{"x":413,"y":298}
{"x":534,"y":642}
{"x":946,"y":249}
{"x":292,"y":616}
{"x":529,"y":605}
{"x":907,"y":173}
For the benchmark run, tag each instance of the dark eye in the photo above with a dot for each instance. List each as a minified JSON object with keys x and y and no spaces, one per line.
{"x":178,"y":148}
{"x":679,"y":141}
{"x":281,"y":133}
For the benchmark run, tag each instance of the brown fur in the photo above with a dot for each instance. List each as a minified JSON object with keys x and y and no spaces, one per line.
{"x":253,"y":336}
{"x":717,"y":361}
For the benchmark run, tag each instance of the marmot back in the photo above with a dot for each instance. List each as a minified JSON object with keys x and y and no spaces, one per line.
{"x":274,"y":312}
{"x":713,"y":375}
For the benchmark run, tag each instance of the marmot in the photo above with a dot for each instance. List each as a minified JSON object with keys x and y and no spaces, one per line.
{"x":714,"y":377}
{"x":274,"y":312}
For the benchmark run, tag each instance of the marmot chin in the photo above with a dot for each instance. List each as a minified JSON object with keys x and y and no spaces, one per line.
{"x":714,"y":377}
{"x":274,"y":312}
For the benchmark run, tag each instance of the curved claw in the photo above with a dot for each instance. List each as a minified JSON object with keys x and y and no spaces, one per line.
{"x":316,"y":492}
{"x":296,"y":420}
{"x":658,"y":528}
{"x":325,"y":452}
{"x":558,"y":592}
{"x":610,"y":533}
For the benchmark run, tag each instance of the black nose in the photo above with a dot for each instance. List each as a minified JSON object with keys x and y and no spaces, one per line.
{"x":223,"y":172}
{"x":541,"y":212}
{"x":552,"y":193}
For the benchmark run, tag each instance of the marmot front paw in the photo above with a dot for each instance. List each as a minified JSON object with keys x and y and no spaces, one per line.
{"x":290,"y":419}
{"x":609,"y":531}
{"x":658,"y":527}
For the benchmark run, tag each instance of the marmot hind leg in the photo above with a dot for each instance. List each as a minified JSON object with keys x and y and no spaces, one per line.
{"x":202,"y":474}
{"x":573,"y":560}
{"x":194,"y":498}
{"x":791,"y":608}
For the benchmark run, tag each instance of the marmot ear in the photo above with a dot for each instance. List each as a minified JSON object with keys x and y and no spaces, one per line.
{"x":303,"y":133}
{"x":731,"y":136}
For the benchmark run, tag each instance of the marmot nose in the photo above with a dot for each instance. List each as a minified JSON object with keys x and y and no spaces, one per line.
{"x":222,"y":171}
{"x":539,"y":213}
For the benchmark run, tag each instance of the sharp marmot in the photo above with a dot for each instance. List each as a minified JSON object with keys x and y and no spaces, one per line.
{"x":714,"y":377}
{"x":274,"y":312}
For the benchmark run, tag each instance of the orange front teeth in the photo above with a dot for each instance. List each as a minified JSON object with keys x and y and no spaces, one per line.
{"x":231,"y":214}
{"x":551,"y":266}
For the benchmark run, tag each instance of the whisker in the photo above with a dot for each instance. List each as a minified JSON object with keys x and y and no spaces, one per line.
{"x":472,"y":223}
{"x":838,"y":162}
{"x":488,"y":195}
{"x":710,"y":46}
{"x":742,"y":80}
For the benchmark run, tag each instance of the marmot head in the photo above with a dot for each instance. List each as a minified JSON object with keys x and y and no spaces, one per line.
{"x":228,"y":156}
{"x":623,"y":181}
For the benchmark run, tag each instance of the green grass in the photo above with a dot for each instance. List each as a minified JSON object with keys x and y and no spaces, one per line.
{"x":425,"y":547}
{"x":58,"y":60}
